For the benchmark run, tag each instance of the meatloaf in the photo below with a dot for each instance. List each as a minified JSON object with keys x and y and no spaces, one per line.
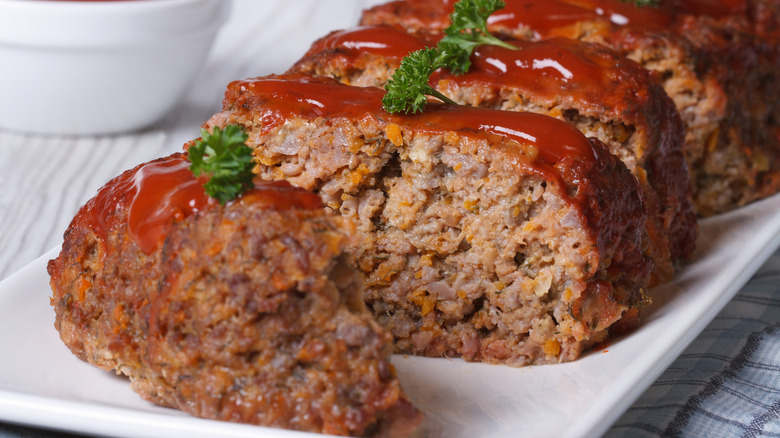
{"x":245,"y":312}
{"x":497,"y":236}
{"x":603,"y":94}
{"x":718,"y":60}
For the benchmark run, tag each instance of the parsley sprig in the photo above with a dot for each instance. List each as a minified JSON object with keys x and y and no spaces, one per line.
{"x":408,"y":87}
{"x":223,"y":156}
{"x":467,"y":30}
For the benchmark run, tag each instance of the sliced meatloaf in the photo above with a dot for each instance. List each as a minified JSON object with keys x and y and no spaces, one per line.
{"x":245,"y":312}
{"x":717,"y":60}
{"x":600,"y":92}
{"x":497,"y":236}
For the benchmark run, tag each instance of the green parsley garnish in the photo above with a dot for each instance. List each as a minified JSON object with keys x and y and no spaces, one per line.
{"x":408,"y":87}
{"x":223,"y":156}
{"x":467,"y":30}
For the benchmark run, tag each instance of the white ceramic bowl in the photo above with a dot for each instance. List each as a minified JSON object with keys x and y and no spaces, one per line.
{"x":98,"y":67}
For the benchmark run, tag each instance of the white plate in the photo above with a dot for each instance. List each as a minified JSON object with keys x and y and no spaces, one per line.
{"x":42,"y":384}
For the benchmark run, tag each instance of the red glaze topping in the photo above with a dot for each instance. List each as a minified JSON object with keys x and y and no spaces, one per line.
{"x":280,"y":97}
{"x":546,"y":18}
{"x":549,"y":17}
{"x":543,"y":17}
{"x":163,"y":191}
{"x":377,"y":40}
{"x":545,"y":61}
{"x":548,"y":68}
{"x":557,"y":68}
{"x":553,"y":139}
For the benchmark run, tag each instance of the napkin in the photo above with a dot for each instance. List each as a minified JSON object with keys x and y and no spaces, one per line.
{"x":727,"y":382}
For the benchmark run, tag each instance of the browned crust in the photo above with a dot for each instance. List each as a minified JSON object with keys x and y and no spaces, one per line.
{"x":246,"y":313}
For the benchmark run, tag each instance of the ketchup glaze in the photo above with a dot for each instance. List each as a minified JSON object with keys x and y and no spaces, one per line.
{"x":546,"y":18}
{"x":554,"y":68}
{"x":378,"y":40}
{"x":536,"y":64}
{"x":164,"y":191}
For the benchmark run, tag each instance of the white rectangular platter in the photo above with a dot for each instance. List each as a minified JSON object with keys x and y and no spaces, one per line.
{"x":43,"y":384}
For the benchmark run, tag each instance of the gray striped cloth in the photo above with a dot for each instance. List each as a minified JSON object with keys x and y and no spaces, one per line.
{"x":727,"y":383}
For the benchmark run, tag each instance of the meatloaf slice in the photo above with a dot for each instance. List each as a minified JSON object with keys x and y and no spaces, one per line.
{"x":600,"y":92}
{"x":497,"y":236}
{"x":245,"y":312}
{"x":717,"y":60}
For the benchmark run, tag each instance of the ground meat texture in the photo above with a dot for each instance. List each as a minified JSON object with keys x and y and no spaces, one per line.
{"x":474,"y":242}
{"x":245,"y":312}
{"x":717,"y":60}
{"x":600,"y":92}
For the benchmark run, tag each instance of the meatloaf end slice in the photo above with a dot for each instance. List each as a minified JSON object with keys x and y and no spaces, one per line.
{"x":246,"y":312}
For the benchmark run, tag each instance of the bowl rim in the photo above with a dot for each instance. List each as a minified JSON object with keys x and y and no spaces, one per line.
{"x":92,"y":24}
